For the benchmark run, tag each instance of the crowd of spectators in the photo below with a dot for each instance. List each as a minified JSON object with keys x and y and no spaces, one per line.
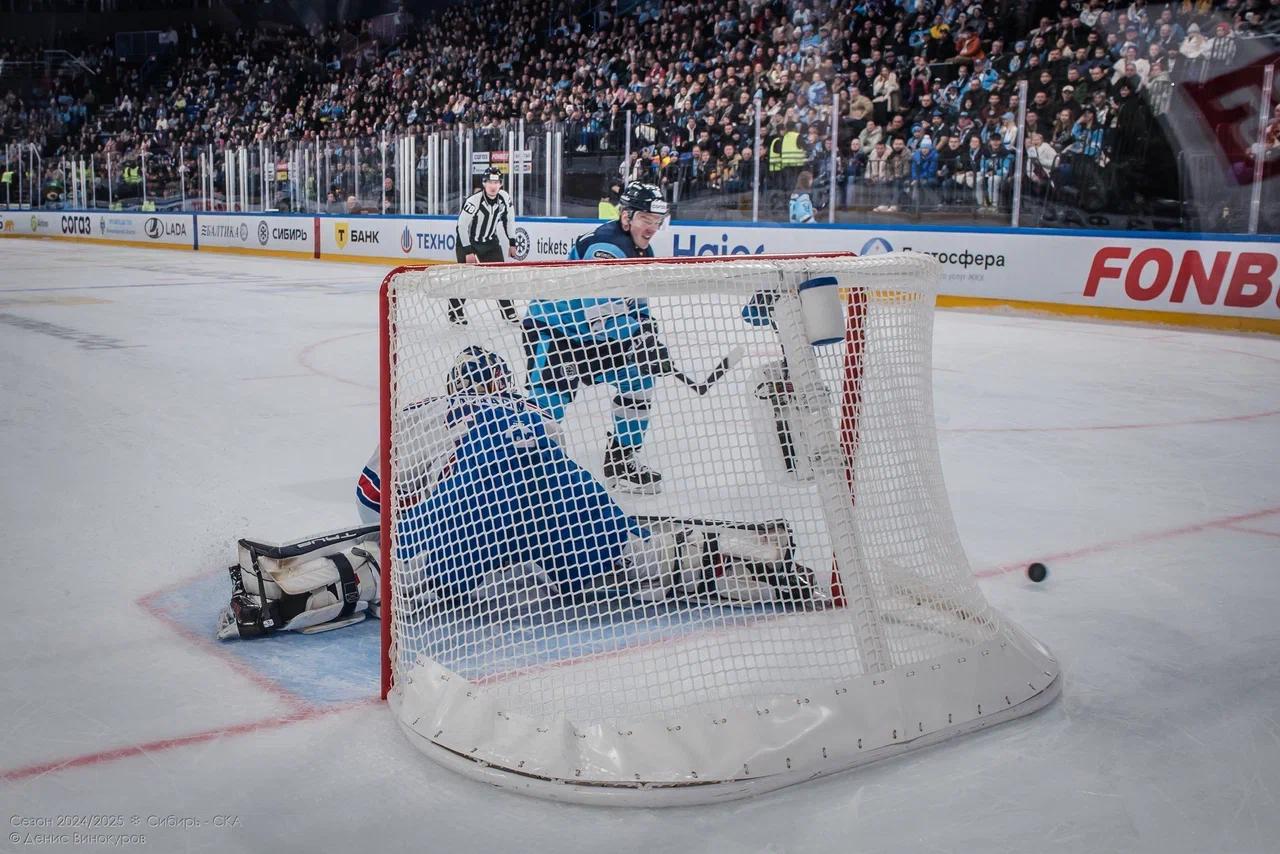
{"x":108,"y":6}
{"x":927,"y":107}
{"x":926,"y":91}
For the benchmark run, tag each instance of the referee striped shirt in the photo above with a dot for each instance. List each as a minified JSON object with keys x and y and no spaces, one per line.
{"x":482,"y":218}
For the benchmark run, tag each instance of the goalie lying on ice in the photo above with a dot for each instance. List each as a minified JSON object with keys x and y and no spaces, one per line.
{"x":490,"y":504}
{"x":491,"y":509}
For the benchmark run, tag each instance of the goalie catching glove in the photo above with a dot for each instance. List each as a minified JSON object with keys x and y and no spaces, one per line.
{"x":313,"y":585}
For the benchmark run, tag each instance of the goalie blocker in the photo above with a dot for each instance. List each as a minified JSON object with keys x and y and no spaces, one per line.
{"x":313,"y":585}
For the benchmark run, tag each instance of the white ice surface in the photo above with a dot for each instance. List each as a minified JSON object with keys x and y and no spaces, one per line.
{"x":163,"y":403}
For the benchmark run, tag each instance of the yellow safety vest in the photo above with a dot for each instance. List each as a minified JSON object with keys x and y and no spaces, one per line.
{"x":7,"y":177}
{"x":607,"y":211}
{"x":775,"y":155}
{"x":792,"y":153}
{"x":132,"y":175}
{"x":148,"y":205}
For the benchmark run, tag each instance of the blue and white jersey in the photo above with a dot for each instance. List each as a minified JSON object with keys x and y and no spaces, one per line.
{"x":507,"y":495}
{"x":608,"y":241}
{"x":435,"y":426}
{"x":801,"y":208}
{"x":596,"y":319}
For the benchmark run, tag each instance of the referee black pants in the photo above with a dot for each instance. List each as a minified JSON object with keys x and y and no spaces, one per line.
{"x":486,"y":251}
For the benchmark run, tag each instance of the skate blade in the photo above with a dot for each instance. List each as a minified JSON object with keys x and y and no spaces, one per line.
{"x":333,"y":624}
{"x":629,"y":488}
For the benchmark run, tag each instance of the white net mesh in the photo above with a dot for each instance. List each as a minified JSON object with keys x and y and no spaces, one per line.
{"x":653,"y":505}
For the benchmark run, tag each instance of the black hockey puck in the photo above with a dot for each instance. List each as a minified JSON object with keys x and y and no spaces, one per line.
{"x":1037,"y":572}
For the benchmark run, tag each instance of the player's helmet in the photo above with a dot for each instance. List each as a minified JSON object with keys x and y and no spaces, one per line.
{"x":491,"y":174}
{"x":642,"y":197}
{"x":478,"y":371}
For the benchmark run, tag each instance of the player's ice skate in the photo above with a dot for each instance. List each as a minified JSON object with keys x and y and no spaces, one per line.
{"x":622,"y":472}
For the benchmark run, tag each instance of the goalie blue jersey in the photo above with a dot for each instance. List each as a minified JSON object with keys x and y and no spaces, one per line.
{"x":510,"y":495}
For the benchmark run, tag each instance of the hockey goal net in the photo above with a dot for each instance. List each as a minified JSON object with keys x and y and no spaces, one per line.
{"x":791,"y":599}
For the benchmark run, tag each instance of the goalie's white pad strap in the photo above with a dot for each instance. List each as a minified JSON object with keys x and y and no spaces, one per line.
{"x":323,"y":608}
{"x":735,"y":582}
{"x":763,"y":545}
{"x":670,"y":559}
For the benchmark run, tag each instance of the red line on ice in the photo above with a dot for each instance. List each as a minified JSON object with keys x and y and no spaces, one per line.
{"x":214,"y":648}
{"x":305,"y":355}
{"x":1244,"y":529}
{"x":29,"y":771}
{"x":1251,"y":416}
{"x":1225,"y":522}
{"x":298,"y":708}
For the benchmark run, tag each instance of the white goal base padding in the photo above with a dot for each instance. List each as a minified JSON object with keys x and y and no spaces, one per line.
{"x":732,"y":751}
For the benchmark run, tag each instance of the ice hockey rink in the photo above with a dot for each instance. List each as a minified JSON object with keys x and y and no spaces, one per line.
{"x":158,"y":405}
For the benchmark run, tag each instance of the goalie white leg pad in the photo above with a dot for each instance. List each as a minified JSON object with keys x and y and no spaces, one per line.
{"x":316,"y":584}
{"x":666,"y":563}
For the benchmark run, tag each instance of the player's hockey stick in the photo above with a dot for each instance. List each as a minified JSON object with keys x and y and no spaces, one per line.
{"x":718,"y":372}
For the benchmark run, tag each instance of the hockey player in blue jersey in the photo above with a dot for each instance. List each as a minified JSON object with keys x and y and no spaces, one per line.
{"x":490,"y":506}
{"x":608,"y":340}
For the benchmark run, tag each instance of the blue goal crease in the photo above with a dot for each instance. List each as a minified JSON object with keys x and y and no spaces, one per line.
{"x":325,"y":669}
{"x":343,"y":665}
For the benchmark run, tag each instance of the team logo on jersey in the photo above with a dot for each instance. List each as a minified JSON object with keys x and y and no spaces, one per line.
{"x":341,"y":231}
{"x":406,"y":240}
{"x":523,"y":436}
{"x":520,"y":240}
{"x":264,"y":232}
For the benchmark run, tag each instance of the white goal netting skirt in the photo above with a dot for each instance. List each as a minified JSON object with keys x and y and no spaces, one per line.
{"x":876,"y":639}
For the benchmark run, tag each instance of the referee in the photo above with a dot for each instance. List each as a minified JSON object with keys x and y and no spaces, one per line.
{"x":486,"y":214}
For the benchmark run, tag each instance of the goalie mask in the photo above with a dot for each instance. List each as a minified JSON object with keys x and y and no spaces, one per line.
{"x":478,"y":371}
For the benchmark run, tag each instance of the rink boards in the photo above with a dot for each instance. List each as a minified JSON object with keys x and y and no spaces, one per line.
{"x":1205,"y":280}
